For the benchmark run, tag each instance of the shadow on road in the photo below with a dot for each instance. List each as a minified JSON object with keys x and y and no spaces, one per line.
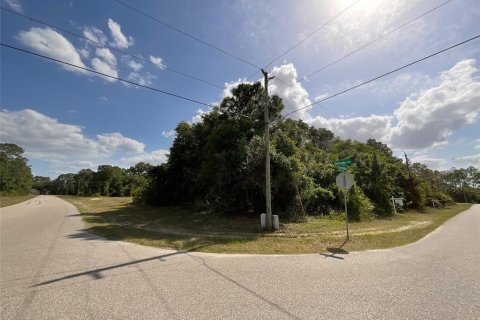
{"x":271,"y":303}
{"x":96,"y":273}
{"x":335,"y":251}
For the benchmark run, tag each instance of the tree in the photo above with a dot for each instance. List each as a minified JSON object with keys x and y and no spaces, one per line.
{"x":15,"y":174}
{"x":42,"y":184}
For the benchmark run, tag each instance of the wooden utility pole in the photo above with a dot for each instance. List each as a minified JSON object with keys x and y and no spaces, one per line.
{"x":268,"y":192}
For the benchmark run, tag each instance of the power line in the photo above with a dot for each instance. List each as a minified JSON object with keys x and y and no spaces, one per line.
{"x":112,"y":48}
{"x":383,"y":75}
{"x":375,"y":40}
{"x":186,"y":34}
{"x":312,"y":33}
{"x":365,"y":45}
{"x":307,"y":37}
{"x":106,"y":75}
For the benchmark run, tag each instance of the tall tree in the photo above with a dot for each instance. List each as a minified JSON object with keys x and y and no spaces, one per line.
{"x":15,"y":174}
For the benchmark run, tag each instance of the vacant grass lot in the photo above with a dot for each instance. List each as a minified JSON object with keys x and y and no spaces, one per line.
{"x":118,"y":218}
{"x":10,"y":200}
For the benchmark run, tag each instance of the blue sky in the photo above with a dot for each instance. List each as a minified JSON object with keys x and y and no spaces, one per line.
{"x":68,"y":119}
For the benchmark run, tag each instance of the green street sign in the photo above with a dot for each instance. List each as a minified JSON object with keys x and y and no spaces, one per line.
{"x":342,"y":165}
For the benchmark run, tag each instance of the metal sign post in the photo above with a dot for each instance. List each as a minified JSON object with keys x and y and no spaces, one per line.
{"x":345,"y":181}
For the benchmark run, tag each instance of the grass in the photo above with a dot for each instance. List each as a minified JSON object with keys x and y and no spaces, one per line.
{"x":11,"y":200}
{"x":118,"y":218}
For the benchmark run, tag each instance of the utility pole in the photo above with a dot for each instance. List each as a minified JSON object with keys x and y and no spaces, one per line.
{"x":268,"y":192}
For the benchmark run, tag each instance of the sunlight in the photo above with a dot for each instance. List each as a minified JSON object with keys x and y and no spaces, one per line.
{"x":362,"y":7}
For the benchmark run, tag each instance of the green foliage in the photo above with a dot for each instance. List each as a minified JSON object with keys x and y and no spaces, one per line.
{"x":359,"y":206}
{"x":15,"y":174}
{"x":218,"y":165}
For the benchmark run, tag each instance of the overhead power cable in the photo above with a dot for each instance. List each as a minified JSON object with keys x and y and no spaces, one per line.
{"x":306,"y":38}
{"x":375,"y":40}
{"x":367,"y":44}
{"x":112,"y":48}
{"x":187,"y":34}
{"x":106,"y":75}
{"x":383,"y":75}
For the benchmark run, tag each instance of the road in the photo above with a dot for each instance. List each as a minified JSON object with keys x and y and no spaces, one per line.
{"x":51,"y":268}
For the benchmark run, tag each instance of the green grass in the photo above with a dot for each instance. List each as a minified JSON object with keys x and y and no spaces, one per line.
{"x":10,"y":200}
{"x":118,"y":218}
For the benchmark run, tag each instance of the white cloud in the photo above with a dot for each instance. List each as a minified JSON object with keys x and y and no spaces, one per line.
{"x":84,"y":52}
{"x":103,"y":98}
{"x":169,"y":134}
{"x":423,"y":120}
{"x":155,"y":158}
{"x":136,"y":66}
{"x":65,"y":146}
{"x":43,"y":135}
{"x":116,"y":141}
{"x":157,"y":61}
{"x":429,"y":118}
{"x":472,"y":160}
{"x":103,"y":67}
{"x":107,"y":56}
{"x":142,"y":79}
{"x":119,"y":39}
{"x":284,"y":85}
{"x":227,"y":92}
{"x":52,"y":44}
{"x":198,"y":117}
{"x":478,"y":144}
{"x":287,"y":87}
{"x":14,"y":5}
{"x":95,"y":34}
{"x":358,"y":128}
{"x":431,"y":162}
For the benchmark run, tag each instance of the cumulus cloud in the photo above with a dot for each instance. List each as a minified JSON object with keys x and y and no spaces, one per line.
{"x":155,"y":158}
{"x":142,"y":79}
{"x":14,"y":5}
{"x":472,"y":160}
{"x":119,"y":39}
{"x":428,"y":119}
{"x":157,"y":61}
{"x":46,"y":137}
{"x":135,"y":66}
{"x":107,"y":56}
{"x":287,"y":87}
{"x":425,"y":119}
{"x":112,"y":142}
{"x":103,"y":67}
{"x":50,"y":43}
{"x":431,"y":162}
{"x":358,"y":128}
{"x":169,"y":134}
{"x":95,"y":34}
{"x":66,"y":147}
{"x":227,"y":92}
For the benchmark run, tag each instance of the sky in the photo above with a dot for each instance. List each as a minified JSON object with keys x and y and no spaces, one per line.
{"x":68,"y":119}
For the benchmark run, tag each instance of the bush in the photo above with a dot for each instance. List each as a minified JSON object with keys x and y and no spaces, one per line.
{"x":359,"y":206}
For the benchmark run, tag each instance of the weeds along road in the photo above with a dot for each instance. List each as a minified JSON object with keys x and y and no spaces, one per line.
{"x":51,"y":268}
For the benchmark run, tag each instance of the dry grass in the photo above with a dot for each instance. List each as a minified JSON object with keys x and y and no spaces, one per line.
{"x":118,"y":218}
{"x":11,"y":200}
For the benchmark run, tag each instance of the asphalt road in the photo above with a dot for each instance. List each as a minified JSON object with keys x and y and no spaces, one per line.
{"x":51,"y":268}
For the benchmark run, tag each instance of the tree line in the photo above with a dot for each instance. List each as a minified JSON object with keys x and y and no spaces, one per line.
{"x":217,"y":165}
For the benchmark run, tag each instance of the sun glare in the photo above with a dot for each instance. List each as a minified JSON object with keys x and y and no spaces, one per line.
{"x":362,"y":6}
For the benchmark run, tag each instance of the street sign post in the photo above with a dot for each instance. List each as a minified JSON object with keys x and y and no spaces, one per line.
{"x":345,"y":181}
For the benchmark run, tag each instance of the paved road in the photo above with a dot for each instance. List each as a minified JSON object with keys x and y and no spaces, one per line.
{"x":52,"y":269}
